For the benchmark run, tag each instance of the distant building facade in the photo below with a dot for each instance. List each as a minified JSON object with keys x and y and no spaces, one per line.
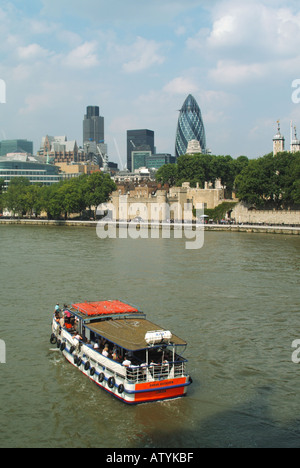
{"x":194,"y":147}
{"x":190,"y":127}
{"x":139,"y":140}
{"x":278,"y":141}
{"x":150,"y":161}
{"x":93,"y":125}
{"x":151,"y":204}
{"x":295,"y":143}
{"x":35,"y":172}
{"x":59,"y":150}
{"x":15,"y":146}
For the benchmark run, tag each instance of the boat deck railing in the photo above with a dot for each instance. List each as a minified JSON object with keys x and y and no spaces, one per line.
{"x":134,"y":373}
{"x":155,"y":372}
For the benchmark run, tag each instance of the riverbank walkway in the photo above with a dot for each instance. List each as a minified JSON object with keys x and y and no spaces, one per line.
{"x":255,"y":228}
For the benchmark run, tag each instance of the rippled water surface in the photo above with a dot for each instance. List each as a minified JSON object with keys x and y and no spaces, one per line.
{"x":236,"y":301}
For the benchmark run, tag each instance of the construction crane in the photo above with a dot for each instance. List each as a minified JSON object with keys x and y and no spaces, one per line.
{"x":104,"y":159}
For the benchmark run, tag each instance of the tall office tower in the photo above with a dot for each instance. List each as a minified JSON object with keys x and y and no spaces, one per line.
{"x":139,"y":140}
{"x":93,"y":125}
{"x":190,"y":127}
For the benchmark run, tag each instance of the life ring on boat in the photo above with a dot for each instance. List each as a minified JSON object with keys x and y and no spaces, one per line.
{"x":92,"y":371}
{"x":63,"y":346}
{"x":53,"y":339}
{"x":72,"y":349}
{"x":121,"y":388}
{"x":79,"y":362}
{"x":111,"y":382}
{"x":75,"y":359}
{"x":87,"y":365}
{"x":101,"y":377}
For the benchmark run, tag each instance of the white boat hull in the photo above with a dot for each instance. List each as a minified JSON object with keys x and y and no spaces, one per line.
{"x":131,"y":386}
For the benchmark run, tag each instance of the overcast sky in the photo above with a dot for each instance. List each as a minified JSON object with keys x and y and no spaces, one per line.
{"x":139,"y":59}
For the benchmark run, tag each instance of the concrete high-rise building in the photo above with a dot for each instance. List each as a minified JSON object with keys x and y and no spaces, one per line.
{"x":93,"y":126}
{"x":190,"y":127}
{"x":139,"y":140}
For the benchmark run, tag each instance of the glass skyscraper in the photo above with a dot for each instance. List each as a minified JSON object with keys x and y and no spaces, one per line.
{"x":190,"y":127}
{"x":139,"y":140}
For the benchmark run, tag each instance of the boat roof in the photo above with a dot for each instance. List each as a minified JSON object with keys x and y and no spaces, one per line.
{"x":128,"y":333}
{"x":99,"y":308}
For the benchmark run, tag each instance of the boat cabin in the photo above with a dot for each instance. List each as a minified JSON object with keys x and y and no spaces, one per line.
{"x":121,"y":332}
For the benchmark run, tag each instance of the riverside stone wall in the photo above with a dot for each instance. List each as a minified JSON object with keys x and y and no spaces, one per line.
{"x":242,"y":214}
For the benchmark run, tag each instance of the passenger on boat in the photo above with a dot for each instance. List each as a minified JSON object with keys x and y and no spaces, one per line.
{"x":105,"y":352}
{"x":126,"y":362}
{"x":102,"y":342}
{"x":96,"y":346}
{"x":152,"y":366}
{"x":57,"y":316}
{"x":57,"y":308}
{"x":67,"y":314}
{"x":68,"y":326}
{"x":72,"y":322}
{"x":115,"y":355}
{"x":77,"y":337}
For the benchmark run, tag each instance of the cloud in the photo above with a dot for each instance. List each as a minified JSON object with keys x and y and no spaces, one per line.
{"x":231,"y":72}
{"x":181,"y":85}
{"x":143,"y":54}
{"x":249,"y":28}
{"x":32,"y":52}
{"x":83,"y":56}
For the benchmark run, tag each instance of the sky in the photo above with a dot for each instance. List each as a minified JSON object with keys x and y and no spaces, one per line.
{"x":139,"y":59}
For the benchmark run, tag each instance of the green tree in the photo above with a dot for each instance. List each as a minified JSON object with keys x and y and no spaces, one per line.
{"x":72,"y":196}
{"x":97,"y":188}
{"x":167,"y":174}
{"x":270,"y":180}
{"x":249,"y":184}
{"x":16,"y":195}
{"x":33,"y":200}
{"x":225,"y":171}
{"x":52,"y":200}
{"x":190,"y":169}
{"x":295,"y":185}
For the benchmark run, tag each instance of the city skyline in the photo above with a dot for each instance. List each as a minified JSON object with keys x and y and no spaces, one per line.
{"x":138,"y":61}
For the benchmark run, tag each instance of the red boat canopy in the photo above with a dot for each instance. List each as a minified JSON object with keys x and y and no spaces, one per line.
{"x":104,"y":308}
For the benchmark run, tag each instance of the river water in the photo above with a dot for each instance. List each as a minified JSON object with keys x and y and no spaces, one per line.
{"x":236,"y":302}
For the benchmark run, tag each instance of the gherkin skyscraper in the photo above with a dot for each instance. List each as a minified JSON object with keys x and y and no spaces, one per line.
{"x":190,"y":126}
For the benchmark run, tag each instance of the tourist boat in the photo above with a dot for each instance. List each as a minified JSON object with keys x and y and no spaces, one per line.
{"x":113,"y":344}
